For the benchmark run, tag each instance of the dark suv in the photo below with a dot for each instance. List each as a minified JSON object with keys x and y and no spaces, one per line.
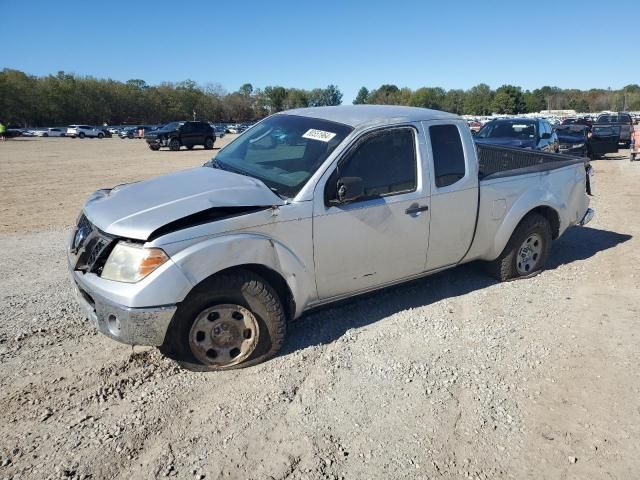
{"x":177,"y":134}
{"x":531,"y":133}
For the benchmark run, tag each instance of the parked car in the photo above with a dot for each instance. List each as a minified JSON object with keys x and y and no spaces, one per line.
{"x":51,"y":132}
{"x":604,"y":139}
{"x":135,"y":131}
{"x":105,"y":130}
{"x":82,"y":131}
{"x":177,"y":134}
{"x":113,"y":130}
{"x":14,"y":131}
{"x":218,"y":129}
{"x":622,"y":120}
{"x":211,"y":263}
{"x":534,"y":134}
{"x":574,"y":139}
{"x":578,"y":121}
{"x":474,"y":126}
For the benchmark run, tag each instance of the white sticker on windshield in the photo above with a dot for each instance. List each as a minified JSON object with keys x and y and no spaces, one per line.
{"x":313,"y":134}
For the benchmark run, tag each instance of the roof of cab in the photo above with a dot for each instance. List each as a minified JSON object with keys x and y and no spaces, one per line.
{"x":360,"y":115}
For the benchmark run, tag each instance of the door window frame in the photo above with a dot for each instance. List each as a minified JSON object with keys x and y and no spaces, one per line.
{"x":355,"y":144}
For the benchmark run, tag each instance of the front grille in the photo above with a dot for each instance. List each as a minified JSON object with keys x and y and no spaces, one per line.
{"x":90,"y":246}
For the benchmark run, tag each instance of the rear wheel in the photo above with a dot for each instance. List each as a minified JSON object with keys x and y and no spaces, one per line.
{"x":208,"y":143}
{"x":101,"y":135}
{"x":526,"y":252}
{"x":174,"y":145}
{"x":233,"y":320}
{"x":155,"y":148}
{"x":81,"y":134}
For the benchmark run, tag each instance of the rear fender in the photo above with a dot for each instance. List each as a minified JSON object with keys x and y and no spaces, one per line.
{"x":201,"y":260}
{"x":532,"y":199}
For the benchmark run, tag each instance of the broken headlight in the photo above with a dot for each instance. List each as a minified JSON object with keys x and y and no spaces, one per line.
{"x":130,"y":263}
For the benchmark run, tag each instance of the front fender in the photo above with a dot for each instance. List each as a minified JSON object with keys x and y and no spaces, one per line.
{"x":201,"y":260}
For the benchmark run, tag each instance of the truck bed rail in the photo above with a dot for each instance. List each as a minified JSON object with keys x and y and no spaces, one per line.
{"x":495,"y":161}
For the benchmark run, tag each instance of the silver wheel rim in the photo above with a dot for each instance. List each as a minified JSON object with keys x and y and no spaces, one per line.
{"x":223,"y":335}
{"x":529,"y":254}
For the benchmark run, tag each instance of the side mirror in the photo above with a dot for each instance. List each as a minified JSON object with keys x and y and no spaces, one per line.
{"x":546,"y":136}
{"x":348,"y":189}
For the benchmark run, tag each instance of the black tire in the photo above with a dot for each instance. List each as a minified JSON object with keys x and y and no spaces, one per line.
{"x":238,"y":287}
{"x":81,"y":135}
{"x":174,"y":145}
{"x":208,"y":143}
{"x":505,"y":267}
{"x":45,"y":135}
{"x":101,"y":136}
{"x":155,"y":148}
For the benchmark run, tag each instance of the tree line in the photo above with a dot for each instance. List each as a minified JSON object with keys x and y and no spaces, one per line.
{"x":508,"y":99}
{"x":65,"y":98}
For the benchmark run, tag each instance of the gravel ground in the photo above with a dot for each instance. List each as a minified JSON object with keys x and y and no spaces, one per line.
{"x":453,"y":376}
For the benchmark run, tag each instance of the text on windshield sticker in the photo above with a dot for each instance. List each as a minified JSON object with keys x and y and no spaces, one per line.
{"x":313,"y":134}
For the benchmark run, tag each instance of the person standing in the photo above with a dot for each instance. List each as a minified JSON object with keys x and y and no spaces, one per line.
{"x":3,"y":132}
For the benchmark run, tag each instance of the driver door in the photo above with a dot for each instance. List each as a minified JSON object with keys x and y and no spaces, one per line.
{"x":382,"y":236}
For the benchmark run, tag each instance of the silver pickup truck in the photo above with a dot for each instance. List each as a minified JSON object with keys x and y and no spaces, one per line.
{"x":305,"y":208}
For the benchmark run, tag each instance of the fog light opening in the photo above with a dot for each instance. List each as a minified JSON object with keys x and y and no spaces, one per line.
{"x":114,"y":324}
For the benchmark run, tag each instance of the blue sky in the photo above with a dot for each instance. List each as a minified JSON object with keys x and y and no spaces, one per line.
{"x":448,"y":43}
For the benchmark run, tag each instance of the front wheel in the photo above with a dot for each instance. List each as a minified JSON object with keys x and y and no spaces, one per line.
{"x":229,"y":321}
{"x":155,"y":148}
{"x":208,"y":143}
{"x":526,"y":252}
{"x":174,"y":145}
{"x":81,"y":135}
{"x":101,"y":136}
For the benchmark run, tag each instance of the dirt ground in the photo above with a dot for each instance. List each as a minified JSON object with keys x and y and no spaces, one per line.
{"x":43,"y":180}
{"x":453,"y":376}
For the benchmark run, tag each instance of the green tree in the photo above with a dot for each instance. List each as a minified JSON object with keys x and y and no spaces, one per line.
{"x":508,"y":100}
{"x":428,"y":97}
{"x":478,"y":100}
{"x":275,"y":98}
{"x":246,"y":89}
{"x":362,"y":97}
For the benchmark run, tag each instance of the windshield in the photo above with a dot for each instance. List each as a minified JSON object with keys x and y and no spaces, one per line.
{"x":171,"y":126}
{"x":283,"y":151}
{"x":517,"y":129}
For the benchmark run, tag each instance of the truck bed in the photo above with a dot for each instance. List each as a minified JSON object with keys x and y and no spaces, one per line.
{"x":497,"y":161}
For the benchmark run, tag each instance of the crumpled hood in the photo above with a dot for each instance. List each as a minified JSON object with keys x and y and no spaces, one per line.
{"x":507,"y":142}
{"x":135,"y":210}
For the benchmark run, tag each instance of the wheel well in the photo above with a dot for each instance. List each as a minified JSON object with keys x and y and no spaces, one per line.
{"x":552,"y":217}
{"x":273,"y":278}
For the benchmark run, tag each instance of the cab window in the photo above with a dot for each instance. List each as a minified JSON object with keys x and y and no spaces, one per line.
{"x":448,"y":156}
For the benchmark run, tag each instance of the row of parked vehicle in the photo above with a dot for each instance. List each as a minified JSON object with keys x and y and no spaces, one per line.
{"x":123,"y":131}
{"x":574,"y":136}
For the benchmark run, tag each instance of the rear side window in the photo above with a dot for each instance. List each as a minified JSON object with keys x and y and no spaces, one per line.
{"x":625,"y":118}
{"x":386,"y":162}
{"x":448,"y":155}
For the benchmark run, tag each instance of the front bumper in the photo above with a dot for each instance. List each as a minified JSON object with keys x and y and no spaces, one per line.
{"x":133,"y":326}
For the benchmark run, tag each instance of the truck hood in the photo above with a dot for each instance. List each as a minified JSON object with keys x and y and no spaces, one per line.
{"x":507,"y":142}
{"x":136,"y":210}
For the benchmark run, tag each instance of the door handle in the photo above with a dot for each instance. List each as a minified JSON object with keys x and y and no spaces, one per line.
{"x":415,"y":208}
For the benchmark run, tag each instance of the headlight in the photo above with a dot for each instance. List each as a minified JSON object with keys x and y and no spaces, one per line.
{"x":579,"y":145}
{"x":130,"y":263}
